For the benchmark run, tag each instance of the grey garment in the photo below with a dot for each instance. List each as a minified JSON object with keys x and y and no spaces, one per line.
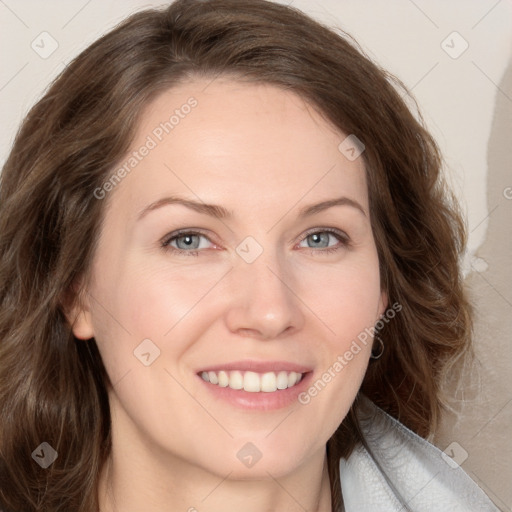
{"x":398,"y":471}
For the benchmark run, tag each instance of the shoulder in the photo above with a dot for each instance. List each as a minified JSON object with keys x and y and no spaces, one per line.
{"x":396,"y":470}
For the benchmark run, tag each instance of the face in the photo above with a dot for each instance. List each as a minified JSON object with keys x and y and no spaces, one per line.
{"x":236,"y":266}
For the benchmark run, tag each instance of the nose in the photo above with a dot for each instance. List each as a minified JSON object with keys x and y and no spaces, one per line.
{"x":264,"y":302}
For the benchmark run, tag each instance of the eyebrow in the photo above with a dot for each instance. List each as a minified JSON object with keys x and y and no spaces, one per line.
{"x":220,"y":212}
{"x":324,"y":205}
{"x":213,"y":210}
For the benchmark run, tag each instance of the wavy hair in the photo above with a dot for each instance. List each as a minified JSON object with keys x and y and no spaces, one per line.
{"x":52,"y":387}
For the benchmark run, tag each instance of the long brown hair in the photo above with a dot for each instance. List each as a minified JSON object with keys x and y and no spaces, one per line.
{"x":53,"y":388}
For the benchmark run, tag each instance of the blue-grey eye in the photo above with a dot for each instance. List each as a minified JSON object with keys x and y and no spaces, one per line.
{"x":321,"y":239}
{"x":187,"y":242}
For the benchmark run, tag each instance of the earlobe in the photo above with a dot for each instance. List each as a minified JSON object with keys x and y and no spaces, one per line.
{"x":82,"y":325}
{"x":77,"y":312}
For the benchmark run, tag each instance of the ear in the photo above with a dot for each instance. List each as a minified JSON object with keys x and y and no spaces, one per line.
{"x":76,"y":307}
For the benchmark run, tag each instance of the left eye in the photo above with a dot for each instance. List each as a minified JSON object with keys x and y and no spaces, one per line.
{"x":187,"y":241}
{"x":321,"y":239}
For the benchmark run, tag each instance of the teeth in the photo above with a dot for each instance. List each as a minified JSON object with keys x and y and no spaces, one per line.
{"x":282,"y":380}
{"x":269,"y":382}
{"x":236,"y":380}
{"x":253,"y":382}
{"x":293,"y":378}
{"x":223,"y":379}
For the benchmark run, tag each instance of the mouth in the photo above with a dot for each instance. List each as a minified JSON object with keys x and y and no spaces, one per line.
{"x":253,"y":382}
{"x":256,"y":385}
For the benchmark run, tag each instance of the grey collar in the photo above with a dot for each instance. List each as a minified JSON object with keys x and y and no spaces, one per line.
{"x":398,"y":471}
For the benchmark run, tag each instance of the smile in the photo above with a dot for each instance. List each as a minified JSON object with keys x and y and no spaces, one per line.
{"x":253,"y":382}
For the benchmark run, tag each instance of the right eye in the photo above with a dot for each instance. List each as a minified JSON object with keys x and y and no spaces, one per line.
{"x":186,"y":242}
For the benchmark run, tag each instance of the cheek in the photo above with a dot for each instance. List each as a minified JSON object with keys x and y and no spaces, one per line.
{"x":161,"y":300}
{"x":162,"y":303}
{"x":344,"y":297}
{"x":346,"y":301}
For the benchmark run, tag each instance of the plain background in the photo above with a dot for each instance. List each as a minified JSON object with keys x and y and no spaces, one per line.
{"x":456,"y":58}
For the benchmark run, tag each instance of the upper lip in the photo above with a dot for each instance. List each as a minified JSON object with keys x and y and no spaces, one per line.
{"x":258,"y":367}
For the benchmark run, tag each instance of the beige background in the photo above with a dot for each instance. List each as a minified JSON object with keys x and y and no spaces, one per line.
{"x":467,"y":104}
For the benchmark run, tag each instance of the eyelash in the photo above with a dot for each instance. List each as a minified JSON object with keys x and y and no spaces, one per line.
{"x":340,"y":235}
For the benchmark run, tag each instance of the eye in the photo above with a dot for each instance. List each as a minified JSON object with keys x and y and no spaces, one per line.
{"x":186,"y":242}
{"x":189,"y":243}
{"x":324,"y":239}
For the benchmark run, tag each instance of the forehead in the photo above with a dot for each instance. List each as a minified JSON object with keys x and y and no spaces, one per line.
{"x":249,"y":143}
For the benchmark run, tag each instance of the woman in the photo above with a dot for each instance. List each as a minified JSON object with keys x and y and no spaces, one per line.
{"x":229,"y":278}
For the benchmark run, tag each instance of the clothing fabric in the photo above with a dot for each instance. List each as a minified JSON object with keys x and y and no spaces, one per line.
{"x":398,"y":471}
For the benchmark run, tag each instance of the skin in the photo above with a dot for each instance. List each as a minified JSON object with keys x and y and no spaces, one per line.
{"x":262,"y":153}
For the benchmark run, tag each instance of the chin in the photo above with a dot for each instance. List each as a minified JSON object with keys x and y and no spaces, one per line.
{"x":259,"y":458}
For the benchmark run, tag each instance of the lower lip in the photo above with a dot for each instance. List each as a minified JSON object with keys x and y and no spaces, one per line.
{"x":260,"y":401}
